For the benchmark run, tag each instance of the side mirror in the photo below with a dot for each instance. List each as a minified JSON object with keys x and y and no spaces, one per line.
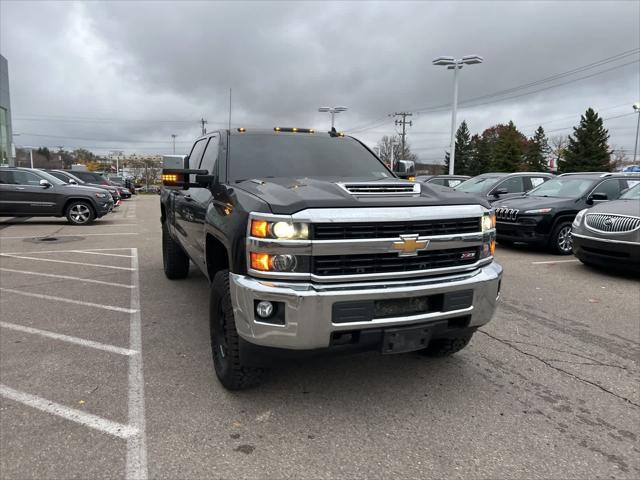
{"x":72,"y":182}
{"x":45,"y":183}
{"x":500,"y":191}
{"x":597,"y":197}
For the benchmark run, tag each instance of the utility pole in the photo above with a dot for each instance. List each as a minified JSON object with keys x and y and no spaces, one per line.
{"x":404,"y":124}
{"x":203,"y":122}
{"x":173,"y":137}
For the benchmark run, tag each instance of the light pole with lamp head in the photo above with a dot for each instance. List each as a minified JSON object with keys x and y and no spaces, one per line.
{"x":455,"y":64}
{"x":636,"y":108}
{"x":333,"y":111}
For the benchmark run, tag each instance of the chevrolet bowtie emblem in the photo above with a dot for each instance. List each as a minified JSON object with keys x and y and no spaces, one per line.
{"x":409,"y":245}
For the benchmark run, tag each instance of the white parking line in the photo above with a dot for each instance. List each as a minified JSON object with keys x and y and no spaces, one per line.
{"x":83,"y":235}
{"x":554,"y":261}
{"x":67,"y":251}
{"x":87,"y":419}
{"x":68,"y":338}
{"x":101,"y":253}
{"x":136,"y":445}
{"x":67,"y":277}
{"x":7,"y":255}
{"x":67,"y":300}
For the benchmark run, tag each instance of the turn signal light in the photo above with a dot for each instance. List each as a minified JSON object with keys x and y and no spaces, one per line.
{"x":259,"y":228}
{"x":492,"y":247}
{"x":169,"y":177}
{"x":261,"y":261}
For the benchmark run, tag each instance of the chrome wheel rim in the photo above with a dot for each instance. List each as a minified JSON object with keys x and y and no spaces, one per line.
{"x":565,"y":241}
{"x":80,"y":213}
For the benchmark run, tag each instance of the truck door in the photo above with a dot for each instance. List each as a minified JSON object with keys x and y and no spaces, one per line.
{"x":184,"y":202}
{"x":200,"y":200}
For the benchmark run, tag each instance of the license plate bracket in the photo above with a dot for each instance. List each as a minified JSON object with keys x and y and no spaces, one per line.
{"x":405,"y":339}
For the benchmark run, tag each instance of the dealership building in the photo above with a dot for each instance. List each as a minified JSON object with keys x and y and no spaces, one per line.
{"x":6,"y":136}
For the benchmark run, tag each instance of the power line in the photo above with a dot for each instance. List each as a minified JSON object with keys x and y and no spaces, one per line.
{"x":467,"y":102}
{"x":119,"y":140}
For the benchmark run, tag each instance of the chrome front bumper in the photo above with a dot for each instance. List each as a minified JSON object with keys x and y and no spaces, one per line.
{"x":308,"y":306}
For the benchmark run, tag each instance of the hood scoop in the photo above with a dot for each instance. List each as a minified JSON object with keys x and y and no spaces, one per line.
{"x":381,"y":189}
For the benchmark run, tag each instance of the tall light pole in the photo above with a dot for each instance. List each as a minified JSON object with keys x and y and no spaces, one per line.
{"x":173,"y":137}
{"x":636,"y":108}
{"x":455,"y":64}
{"x":333,"y":111}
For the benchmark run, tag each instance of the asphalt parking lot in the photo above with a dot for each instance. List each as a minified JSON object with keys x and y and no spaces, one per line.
{"x":105,"y":371}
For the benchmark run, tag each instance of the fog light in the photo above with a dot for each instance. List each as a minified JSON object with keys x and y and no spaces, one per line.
{"x":283,"y":263}
{"x":264,"y":309}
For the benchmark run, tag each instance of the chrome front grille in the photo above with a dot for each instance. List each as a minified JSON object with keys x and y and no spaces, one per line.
{"x":396,"y":188}
{"x":611,"y":223}
{"x":507,"y":214}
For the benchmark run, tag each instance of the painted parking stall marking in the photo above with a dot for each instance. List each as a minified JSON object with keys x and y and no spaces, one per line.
{"x":133,"y":431}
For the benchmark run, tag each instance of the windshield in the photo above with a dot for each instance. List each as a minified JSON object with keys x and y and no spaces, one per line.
{"x":563,"y":188}
{"x":632,"y":194}
{"x":478,"y":184}
{"x":263,"y":156}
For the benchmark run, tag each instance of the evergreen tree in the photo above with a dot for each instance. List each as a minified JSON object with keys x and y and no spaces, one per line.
{"x":480,"y":157}
{"x":509,"y":149}
{"x":463,"y":150}
{"x":587,"y":150}
{"x":535,"y":159}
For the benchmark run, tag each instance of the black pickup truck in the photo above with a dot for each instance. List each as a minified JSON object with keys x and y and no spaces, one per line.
{"x":311,"y":245}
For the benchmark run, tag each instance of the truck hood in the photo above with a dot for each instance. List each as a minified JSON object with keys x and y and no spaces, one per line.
{"x":287,"y":196}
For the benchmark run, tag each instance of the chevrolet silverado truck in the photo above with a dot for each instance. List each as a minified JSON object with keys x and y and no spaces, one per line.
{"x":311,"y":245}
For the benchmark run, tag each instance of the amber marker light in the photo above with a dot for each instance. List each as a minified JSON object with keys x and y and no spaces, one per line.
{"x":259,"y":228}
{"x":261,"y":261}
{"x":492,"y":247}
{"x":169,"y":178}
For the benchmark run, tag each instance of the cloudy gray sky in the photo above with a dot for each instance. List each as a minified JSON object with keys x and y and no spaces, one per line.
{"x":126,"y":75}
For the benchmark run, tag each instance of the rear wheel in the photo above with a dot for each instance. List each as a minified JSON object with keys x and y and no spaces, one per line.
{"x":80,"y":213}
{"x":561,"y":241}
{"x":443,"y":347}
{"x":175,"y":261}
{"x":225,"y":340}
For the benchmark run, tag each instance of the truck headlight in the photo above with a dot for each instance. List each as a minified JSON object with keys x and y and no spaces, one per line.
{"x":273,"y":263}
{"x":281,"y":230}
{"x":578,"y":220}
{"x":488,"y":221}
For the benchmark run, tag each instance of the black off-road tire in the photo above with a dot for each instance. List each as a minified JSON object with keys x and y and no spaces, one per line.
{"x":225,"y":340}
{"x":175,"y":261}
{"x":558,"y":242}
{"x":80,"y":212}
{"x":443,"y":347}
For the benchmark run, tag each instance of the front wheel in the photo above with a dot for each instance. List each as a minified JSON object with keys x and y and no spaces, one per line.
{"x":225,"y":341}
{"x":80,"y":213}
{"x":175,"y":261}
{"x":561,"y":241}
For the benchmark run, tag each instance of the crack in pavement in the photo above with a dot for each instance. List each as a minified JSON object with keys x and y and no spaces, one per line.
{"x":558,"y":369}
{"x":596,"y":361}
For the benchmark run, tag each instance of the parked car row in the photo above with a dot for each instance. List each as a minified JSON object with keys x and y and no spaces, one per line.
{"x":79,"y":196}
{"x":550,"y":211}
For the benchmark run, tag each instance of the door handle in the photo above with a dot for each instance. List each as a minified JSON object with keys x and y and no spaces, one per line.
{"x":19,"y":188}
{"x":188,"y":198}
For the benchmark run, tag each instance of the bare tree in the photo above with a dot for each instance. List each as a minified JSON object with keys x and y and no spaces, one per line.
{"x":558,"y":143}
{"x":619,"y":159}
{"x":385,"y":146}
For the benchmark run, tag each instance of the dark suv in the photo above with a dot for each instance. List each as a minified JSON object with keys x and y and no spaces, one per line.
{"x":27,"y":192}
{"x":68,"y":177}
{"x":95,"y":178}
{"x":494,"y":186}
{"x":544,"y":215}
